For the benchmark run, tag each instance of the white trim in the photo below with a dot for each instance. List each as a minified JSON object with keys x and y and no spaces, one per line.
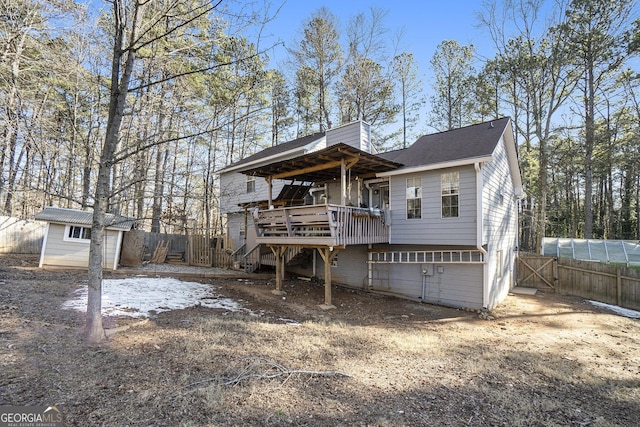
{"x":406,"y":199}
{"x":442,"y":196}
{"x":250,"y":179}
{"x":116,"y":255}
{"x":442,"y":165}
{"x":44,"y":245}
{"x":479,"y":230}
{"x":66,"y":238}
{"x":514,"y":165}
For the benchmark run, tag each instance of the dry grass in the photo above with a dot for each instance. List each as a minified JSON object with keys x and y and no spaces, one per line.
{"x":545,"y":360}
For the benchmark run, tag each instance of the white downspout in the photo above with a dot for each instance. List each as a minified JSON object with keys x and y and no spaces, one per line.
{"x":479,"y":229}
{"x":367,"y":185}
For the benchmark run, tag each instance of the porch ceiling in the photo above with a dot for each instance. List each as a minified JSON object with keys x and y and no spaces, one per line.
{"x":325,"y":165}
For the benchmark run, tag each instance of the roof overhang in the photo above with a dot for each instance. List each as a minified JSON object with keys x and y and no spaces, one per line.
{"x":285,"y":154}
{"x":434,"y":166}
{"x":326,"y":165}
{"x":514,"y":164}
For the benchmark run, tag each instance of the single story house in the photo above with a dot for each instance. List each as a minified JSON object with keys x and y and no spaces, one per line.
{"x":68,"y":236}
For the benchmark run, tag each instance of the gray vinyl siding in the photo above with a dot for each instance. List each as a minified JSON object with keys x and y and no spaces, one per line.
{"x":60,"y":252}
{"x":351,"y":267}
{"x":432,"y":229}
{"x":334,"y":193}
{"x":235,"y":223}
{"x":355,"y":134}
{"x":233,"y":191}
{"x":458,"y":285}
{"x":500,"y":224}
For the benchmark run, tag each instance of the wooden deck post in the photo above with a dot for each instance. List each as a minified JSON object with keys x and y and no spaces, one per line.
{"x":269,"y":180}
{"x":327,"y":254}
{"x":279,"y":252}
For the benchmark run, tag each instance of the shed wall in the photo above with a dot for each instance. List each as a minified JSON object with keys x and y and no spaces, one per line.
{"x":59,"y":252}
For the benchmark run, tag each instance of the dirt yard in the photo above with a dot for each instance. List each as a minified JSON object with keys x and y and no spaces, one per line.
{"x":541,"y":360}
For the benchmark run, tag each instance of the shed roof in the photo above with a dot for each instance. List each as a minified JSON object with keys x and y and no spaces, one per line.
{"x":77,"y":217}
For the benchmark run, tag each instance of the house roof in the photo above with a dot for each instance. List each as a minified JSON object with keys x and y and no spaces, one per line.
{"x":276,"y":150}
{"x":470,"y":142}
{"x":77,"y":217}
{"x":467,"y":145}
{"x":325,"y":165}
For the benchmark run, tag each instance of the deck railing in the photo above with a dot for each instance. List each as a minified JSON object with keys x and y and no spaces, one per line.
{"x":327,"y":225}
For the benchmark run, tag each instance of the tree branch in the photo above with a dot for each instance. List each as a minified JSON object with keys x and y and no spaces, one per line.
{"x":134,"y":44}
{"x":202,"y":70}
{"x":260,"y":368}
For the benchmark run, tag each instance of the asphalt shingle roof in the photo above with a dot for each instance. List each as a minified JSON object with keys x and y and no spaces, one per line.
{"x":465,"y":143}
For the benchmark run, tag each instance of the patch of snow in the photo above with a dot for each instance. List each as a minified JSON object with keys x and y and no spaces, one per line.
{"x":618,"y":310}
{"x":143,"y":297}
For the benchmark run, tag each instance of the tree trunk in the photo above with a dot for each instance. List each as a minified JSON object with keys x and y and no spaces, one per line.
{"x":94,"y":331}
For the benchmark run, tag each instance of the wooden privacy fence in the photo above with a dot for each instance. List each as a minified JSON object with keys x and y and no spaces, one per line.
{"x":208,"y":252}
{"x":19,"y":236}
{"x":198,"y":250}
{"x":591,"y":280}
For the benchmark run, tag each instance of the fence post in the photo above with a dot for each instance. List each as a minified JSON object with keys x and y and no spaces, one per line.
{"x":618,"y":288}
{"x":554,"y":265}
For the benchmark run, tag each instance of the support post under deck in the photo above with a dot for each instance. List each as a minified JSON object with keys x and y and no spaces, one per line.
{"x":279,"y":252}
{"x":327,"y":254}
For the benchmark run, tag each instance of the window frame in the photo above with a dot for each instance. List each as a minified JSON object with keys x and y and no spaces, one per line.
{"x":413,"y":212}
{"x":450,"y":191}
{"x":251,"y":184}
{"x":83,"y":234}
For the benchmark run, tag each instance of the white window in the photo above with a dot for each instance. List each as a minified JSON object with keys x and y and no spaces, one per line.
{"x":251,"y":184}
{"x":414,"y":198}
{"x":77,"y":233}
{"x":450,"y":184}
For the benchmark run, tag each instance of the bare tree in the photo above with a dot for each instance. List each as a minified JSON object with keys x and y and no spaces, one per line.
{"x":410,"y":87}
{"x":135,"y":26}
{"x":320,"y":56}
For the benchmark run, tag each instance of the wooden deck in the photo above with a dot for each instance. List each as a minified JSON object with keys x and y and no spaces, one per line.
{"x":321,"y":225}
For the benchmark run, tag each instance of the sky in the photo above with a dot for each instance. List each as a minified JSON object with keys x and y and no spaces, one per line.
{"x":425,"y":24}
